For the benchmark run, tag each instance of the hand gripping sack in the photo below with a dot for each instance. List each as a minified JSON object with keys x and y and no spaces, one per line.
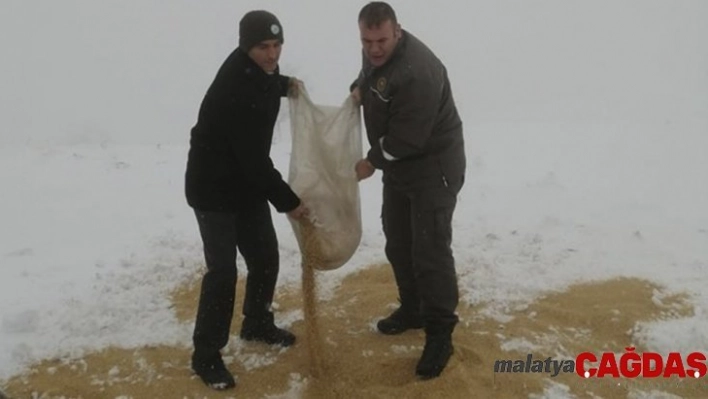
{"x":326,"y":144}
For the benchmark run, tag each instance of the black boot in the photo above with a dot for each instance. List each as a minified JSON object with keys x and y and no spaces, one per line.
{"x":263,"y":329}
{"x":211,"y":369}
{"x":399,"y":321}
{"x":437,"y":352}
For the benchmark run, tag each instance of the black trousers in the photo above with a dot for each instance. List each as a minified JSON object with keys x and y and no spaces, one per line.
{"x":417,"y":223}
{"x":251,"y":231}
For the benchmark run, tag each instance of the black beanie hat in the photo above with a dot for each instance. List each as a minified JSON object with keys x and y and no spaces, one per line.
{"x":257,"y":26}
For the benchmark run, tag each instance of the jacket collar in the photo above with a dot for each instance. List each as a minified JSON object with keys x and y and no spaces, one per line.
{"x":400,"y":46}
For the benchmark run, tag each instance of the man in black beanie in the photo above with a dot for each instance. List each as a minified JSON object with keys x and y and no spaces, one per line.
{"x":229,"y":182}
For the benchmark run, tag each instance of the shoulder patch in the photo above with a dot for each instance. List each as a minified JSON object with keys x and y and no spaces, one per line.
{"x":381,"y":84}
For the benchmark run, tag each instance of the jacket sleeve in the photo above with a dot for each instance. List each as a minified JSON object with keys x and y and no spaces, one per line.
{"x":259,"y":170}
{"x":354,"y":84}
{"x":413,"y":111}
{"x":284,"y":85}
{"x":357,"y":82}
{"x":263,"y":176}
{"x":376,"y":157}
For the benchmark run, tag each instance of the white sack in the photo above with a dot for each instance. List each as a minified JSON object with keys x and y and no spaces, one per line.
{"x":326,"y":144}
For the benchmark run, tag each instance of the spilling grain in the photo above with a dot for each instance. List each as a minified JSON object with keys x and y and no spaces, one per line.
{"x":311,"y":259}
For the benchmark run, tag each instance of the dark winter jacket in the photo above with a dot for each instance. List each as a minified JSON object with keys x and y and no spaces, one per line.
{"x":409,"y":113}
{"x":229,"y":164}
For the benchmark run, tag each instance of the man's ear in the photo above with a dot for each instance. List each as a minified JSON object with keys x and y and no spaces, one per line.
{"x":397,"y":32}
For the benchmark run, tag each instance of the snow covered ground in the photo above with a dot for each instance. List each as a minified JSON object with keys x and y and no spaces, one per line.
{"x":586,"y":127}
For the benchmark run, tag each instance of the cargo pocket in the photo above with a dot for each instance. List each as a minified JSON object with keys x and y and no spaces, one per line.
{"x":443,"y":225}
